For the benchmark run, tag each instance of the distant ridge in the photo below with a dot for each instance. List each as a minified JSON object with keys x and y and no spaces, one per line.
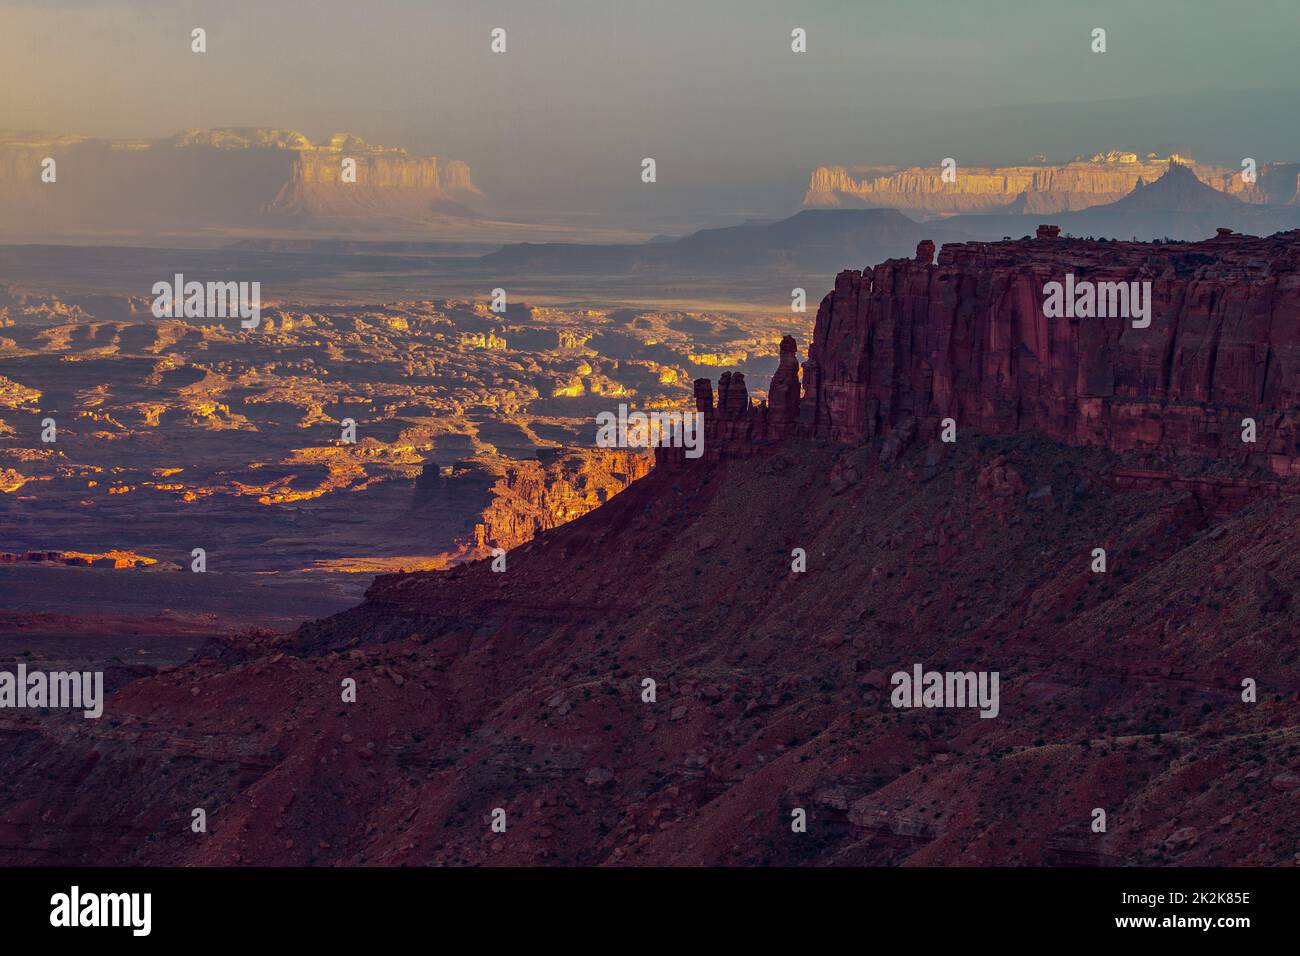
{"x":814,"y":240}
{"x":1034,"y":187}
{"x":1175,"y":205}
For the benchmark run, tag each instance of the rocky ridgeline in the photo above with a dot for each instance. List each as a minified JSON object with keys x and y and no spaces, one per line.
{"x":1030,"y":188}
{"x":900,"y":347}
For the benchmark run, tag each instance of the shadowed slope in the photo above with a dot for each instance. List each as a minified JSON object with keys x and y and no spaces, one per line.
{"x":523,"y":690}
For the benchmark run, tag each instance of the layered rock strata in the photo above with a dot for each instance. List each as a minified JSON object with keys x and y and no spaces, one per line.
{"x":901,"y":347}
{"x":1041,"y":188}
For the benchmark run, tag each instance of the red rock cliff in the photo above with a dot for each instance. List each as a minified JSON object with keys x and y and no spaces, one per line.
{"x":909,"y":343}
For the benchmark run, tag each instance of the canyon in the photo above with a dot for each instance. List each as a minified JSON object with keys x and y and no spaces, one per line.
{"x":523,"y":691}
{"x":473,"y":430}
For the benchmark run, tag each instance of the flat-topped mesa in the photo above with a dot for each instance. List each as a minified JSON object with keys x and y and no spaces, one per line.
{"x":274,"y":176}
{"x":908,"y":344}
{"x":899,"y":348}
{"x":1033,"y":187}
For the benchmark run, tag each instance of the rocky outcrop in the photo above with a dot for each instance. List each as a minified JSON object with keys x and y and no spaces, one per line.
{"x":80,"y":559}
{"x":536,"y":496}
{"x":736,"y":426}
{"x":526,"y":497}
{"x":967,"y":339}
{"x":783,"y":393}
{"x":900,"y":348}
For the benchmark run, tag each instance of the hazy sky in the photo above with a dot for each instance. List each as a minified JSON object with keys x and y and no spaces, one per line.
{"x":712,"y":90}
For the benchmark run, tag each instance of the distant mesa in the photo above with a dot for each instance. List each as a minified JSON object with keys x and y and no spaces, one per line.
{"x":1165,"y":199}
{"x":232,"y":177}
{"x":1175,"y":204}
{"x":1036,"y":187}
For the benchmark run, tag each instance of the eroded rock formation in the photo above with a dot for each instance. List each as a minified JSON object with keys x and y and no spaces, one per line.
{"x":535,"y":496}
{"x":524,"y":690}
{"x":967,"y":339}
{"x":900,"y":348}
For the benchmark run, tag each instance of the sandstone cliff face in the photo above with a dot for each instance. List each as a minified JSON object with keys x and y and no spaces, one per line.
{"x":967,"y":339}
{"x":457,"y":181}
{"x":901,"y":347}
{"x":1070,"y":186}
{"x":537,"y":496}
{"x":528,"y":497}
{"x":236,"y":177}
{"x":389,"y":183}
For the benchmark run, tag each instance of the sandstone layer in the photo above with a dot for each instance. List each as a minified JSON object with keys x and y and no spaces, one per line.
{"x":1039,"y":188}
{"x":526,"y":497}
{"x":221,"y":177}
{"x":900,"y":347}
{"x":967,"y":339}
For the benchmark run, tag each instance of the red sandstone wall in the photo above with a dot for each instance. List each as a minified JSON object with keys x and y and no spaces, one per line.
{"x":967,"y":339}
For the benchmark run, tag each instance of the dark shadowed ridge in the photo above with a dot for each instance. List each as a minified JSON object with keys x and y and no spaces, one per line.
{"x":814,"y":240}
